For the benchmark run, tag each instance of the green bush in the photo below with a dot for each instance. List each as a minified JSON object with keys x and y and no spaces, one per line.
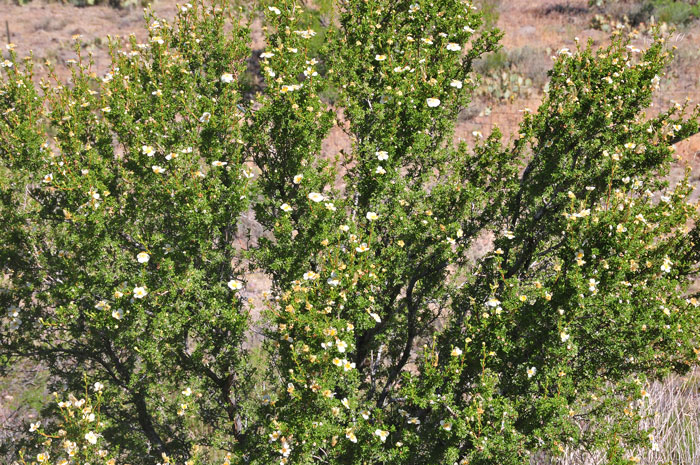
{"x":679,"y":12}
{"x":676,"y":12}
{"x":129,"y":247}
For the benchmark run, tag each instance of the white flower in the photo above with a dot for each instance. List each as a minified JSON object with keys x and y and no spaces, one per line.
{"x":143,"y":257}
{"x":433,"y":102}
{"x":349,"y":434}
{"x":380,"y":57}
{"x":34,"y":426}
{"x":275,"y":10}
{"x":380,"y":170}
{"x":666,"y":266}
{"x":187,"y":392}
{"x":344,"y":227}
{"x":206,"y":116}
{"x":371,"y":216}
{"x":382,"y":434}
{"x":362,"y":248}
{"x":306,"y":34}
{"x":235,"y":285}
{"x":592,"y":285}
{"x":457,"y":84}
{"x":316,"y":197}
{"x":447,"y":426}
{"x":654,"y":445}
{"x":341,"y":345}
{"x":227,"y":78}
{"x":219,"y":163}
{"x":456,"y":352}
{"x":310,"y":275}
{"x":376,"y":317}
{"x":118,"y":314}
{"x":382,"y":155}
{"x":140,"y":292}
{"x":158,"y":169}
{"x":493,"y":302}
{"x":91,"y":437}
{"x":98,"y":386}
{"x":564,"y":336}
{"x":285,"y":207}
{"x":330,"y":206}
{"x":48,"y":178}
{"x":267,"y":55}
{"x":297,"y":179}
{"x":531,"y":372}
{"x":564,"y":51}
{"x":148,"y":150}
{"x":452,"y":47}
{"x":285,"y":450}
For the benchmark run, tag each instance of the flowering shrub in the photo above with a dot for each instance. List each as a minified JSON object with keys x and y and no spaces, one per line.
{"x":78,"y":438}
{"x":386,"y":340}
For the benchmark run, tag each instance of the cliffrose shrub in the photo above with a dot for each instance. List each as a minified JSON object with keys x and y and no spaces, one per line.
{"x":127,"y":246}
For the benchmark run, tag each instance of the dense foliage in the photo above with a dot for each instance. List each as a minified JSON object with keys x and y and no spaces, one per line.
{"x":127,"y":246}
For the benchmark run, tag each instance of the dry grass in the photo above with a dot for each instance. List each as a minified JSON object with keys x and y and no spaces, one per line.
{"x":674,"y":415}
